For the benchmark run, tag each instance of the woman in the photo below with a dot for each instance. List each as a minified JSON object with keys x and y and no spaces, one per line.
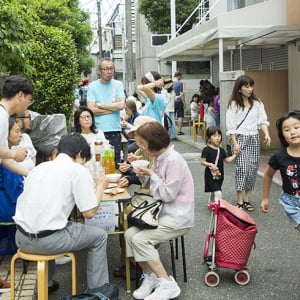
{"x":84,"y":123}
{"x":171,"y":181}
{"x":245,"y":115}
{"x":150,"y":89}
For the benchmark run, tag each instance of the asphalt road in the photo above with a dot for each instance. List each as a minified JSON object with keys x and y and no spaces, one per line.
{"x":274,"y":265}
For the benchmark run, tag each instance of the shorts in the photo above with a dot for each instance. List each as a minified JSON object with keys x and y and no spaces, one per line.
{"x":179,"y":109}
{"x":291,"y":206}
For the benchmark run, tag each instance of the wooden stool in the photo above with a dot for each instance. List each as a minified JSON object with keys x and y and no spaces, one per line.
{"x":42,"y":271}
{"x":176,"y":256}
{"x":199,"y":124}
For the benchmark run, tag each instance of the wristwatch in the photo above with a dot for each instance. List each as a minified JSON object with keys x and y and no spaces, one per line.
{"x":99,"y":105}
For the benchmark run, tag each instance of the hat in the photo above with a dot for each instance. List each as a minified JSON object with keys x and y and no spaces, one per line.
{"x":168,"y":83}
{"x":138,"y":122}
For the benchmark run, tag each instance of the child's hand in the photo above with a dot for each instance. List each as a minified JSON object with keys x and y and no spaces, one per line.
{"x":123,"y":182}
{"x":214,"y":167}
{"x":267,"y":140}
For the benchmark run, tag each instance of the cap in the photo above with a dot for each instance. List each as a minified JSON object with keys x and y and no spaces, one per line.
{"x":139,"y":121}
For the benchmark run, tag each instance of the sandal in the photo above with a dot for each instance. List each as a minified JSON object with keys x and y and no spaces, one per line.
{"x":241,"y":206}
{"x":248,"y":206}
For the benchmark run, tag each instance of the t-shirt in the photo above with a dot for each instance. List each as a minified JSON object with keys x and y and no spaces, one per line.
{"x":156,"y":108}
{"x":289,"y":167}
{"x":106,"y":93}
{"x":178,"y":88}
{"x":3,"y":127}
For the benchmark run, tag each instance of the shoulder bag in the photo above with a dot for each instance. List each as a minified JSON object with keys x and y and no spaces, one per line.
{"x":145,"y":211}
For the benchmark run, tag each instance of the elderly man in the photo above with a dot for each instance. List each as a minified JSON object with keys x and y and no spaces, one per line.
{"x":105,"y":98}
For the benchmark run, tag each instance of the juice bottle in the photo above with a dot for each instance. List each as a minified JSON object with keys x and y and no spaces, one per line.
{"x":108,"y":160}
{"x":98,"y":150}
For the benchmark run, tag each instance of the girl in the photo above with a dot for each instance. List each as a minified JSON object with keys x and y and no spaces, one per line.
{"x":210,"y":115}
{"x":244,"y":116}
{"x":212,"y":158}
{"x":287,"y":160}
{"x":195,"y":107}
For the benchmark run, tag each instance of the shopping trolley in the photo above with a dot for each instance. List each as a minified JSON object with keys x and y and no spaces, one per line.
{"x":229,"y":241}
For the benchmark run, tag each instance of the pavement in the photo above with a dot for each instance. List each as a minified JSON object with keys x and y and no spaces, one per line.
{"x":274,"y":266}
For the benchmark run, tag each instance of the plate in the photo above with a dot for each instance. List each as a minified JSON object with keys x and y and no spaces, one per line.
{"x":112,"y":185}
{"x":114,"y":191}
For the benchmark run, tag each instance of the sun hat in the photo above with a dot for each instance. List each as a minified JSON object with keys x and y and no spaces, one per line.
{"x":139,"y":121}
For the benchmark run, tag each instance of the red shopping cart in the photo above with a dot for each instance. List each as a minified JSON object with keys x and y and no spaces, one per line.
{"x":229,"y":241}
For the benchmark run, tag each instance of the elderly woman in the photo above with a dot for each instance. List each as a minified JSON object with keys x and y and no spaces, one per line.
{"x":171,"y":181}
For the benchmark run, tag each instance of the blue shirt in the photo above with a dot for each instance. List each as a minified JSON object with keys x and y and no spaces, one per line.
{"x":156,"y":108}
{"x":106,"y":93}
{"x":178,"y":88}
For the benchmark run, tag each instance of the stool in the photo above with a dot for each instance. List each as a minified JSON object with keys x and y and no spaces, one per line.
{"x":176,"y":256}
{"x":42,"y":271}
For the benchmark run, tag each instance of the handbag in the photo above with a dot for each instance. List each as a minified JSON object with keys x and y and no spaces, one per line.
{"x":145,"y":211}
{"x":107,"y":291}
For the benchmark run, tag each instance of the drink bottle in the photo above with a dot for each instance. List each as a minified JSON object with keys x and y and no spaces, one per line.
{"x":108,"y":160}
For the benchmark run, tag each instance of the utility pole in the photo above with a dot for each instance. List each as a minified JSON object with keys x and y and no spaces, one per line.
{"x":129,"y":59}
{"x":99,"y":28}
{"x":173,"y":30}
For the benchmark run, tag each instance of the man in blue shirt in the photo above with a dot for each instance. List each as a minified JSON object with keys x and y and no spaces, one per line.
{"x":179,"y":100}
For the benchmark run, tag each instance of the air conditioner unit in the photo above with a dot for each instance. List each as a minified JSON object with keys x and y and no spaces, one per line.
{"x":159,"y":39}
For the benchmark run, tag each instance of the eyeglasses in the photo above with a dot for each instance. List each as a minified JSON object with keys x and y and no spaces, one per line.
{"x":107,"y":69}
{"x":85,"y":117}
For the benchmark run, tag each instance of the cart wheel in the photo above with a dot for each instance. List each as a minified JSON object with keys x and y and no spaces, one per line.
{"x":212,"y":279}
{"x":242,"y":277}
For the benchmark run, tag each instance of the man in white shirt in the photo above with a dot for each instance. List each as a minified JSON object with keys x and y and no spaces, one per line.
{"x":16,"y":97}
{"x":51,"y":191}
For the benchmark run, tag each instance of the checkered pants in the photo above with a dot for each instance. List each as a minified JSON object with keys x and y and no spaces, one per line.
{"x":247,"y":162}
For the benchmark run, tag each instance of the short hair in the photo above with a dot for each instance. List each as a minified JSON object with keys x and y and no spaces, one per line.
{"x":155,"y":134}
{"x":44,"y":153}
{"x":74,"y":143}
{"x":211,"y":130}
{"x":11,"y":122}
{"x":78,"y":112}
{"x":177,"y":73}
{"x":292,"y":114}
{"x":15,"y":84}
{"x":107,"y":59}
{"x":156,"y":76}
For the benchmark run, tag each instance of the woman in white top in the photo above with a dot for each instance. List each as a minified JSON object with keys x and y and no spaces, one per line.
{"x":84,"y":123}
{"x":245,"y":115}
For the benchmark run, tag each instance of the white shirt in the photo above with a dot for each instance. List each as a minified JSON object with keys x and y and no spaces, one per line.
{"x":92,"y":137}
{"x":256,"y":117}
{"x":170,"y":99}
{"x":3,"y":128}
{"x":50,"y":192}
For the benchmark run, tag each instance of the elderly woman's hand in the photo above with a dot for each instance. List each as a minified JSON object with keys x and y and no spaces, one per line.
{"x":144,"y":171}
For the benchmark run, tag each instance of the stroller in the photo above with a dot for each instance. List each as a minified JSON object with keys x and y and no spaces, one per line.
{"x":228,"y":243}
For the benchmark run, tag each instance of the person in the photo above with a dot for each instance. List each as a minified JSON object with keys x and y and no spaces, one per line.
{"x":11,"y":184}
{"x":128,"y":121}
{"x":210,"y":115}
{"x":287,"y":161}
{"x":24,"y":122}
{"x":63,"y":183}
{"x":169,"y":93}
{"x":105,"y":98}
{"x":83,"y":90}
{"x":194,"y":105}
{"x":179,"y":100}
{"x":213,"y":157}
{"x":244,"y":116}
{"x":217,"y":106}
{"x":84,"y":123}
{"x":45,"y":153}
{"x":170,"y":180}
{"x":150,"y":89}
{"x":16,"y":98}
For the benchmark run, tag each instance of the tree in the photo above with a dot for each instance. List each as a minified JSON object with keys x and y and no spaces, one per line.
{"x":66,"y":15}
{"x":157,"y":14}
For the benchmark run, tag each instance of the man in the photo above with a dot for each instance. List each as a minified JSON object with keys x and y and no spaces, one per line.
{"x":24,"y":121}
{"x":51,"y":191}
{"x":106,"y":99}
{"x":16,"y":97}
{"x":179,"y":100}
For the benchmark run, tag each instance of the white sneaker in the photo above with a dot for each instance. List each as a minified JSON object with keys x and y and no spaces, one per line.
{"x":149,"y":283}
{"x":62,"y":260}
{"x":167,"y":289}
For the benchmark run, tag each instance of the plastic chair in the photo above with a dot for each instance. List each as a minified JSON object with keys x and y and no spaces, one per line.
{"x":176,"y":256}
{"x":42,"y":271}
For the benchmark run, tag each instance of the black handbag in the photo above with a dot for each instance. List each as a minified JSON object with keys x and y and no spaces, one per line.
{"x":145,"y":211}
{"x":107,"y":291}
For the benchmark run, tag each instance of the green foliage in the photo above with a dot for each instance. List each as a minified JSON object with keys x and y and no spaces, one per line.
{"x":16,"y":36}
{"x":54,"y":59}
{"x":158,"y":17}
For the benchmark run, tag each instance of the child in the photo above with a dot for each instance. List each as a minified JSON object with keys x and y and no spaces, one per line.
{"x":195,"y":107}
{"x":287,"y":160}
{"x":212,"y":158}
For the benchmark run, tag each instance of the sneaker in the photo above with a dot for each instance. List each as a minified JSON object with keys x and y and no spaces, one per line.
{"x":167,"y":289}
{"x":62,"y":260}
{"x":150,"y":282}
{"x":4,"y":286}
